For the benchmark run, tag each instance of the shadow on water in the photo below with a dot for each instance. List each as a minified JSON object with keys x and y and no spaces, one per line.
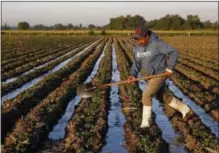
{"x":58,"y":131}
{"x":115,"y":134}
{"x":205,"y":118}
{"x":168,"y":133}
{"x":27,"y":85}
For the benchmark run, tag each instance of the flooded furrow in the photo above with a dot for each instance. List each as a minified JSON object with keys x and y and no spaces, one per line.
{"x":168,"y":133}
{"x":116,"y":120}
{"x":205,"y":118}
{"x":58,"y":131}
{"x":36,"y":80}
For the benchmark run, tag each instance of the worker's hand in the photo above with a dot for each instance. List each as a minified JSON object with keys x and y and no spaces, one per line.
{"x":130,"y":79}
{"x":168,"y":72}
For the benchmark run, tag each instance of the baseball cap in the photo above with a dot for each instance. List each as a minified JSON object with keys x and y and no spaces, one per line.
{"x":140,"y":32}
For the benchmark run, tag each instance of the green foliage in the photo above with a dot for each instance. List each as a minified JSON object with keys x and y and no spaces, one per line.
{"x":91,"y":32}
{"x":128,"y":22}
{"x":103,"y":32}
{"x":23,"y":25}
{"x":59,"y":26}
{"x":40,"y":27}
{"x":91,"y":26}
{"x":5,"y":27}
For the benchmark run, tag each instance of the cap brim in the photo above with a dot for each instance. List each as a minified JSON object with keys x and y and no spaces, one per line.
{"x":136,"y":36}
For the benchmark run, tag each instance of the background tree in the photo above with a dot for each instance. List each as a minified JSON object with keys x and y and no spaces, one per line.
{"x":176,"y":22}
{"x":215,"y":25}
{"x":124,"y":23}
{"x":59,"y":26}
{"x":70,"y":26}
{"x":23,"y":26}
{"x":193,"y":21}
{"x":91,"y":26}
{"x":40,"y":27}
{"x":5,"y":27}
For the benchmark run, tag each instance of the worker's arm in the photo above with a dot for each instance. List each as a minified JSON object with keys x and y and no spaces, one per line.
{"x":166,"y":49}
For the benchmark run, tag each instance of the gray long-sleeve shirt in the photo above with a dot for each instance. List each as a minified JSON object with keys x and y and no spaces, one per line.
{"x":151,"y":59}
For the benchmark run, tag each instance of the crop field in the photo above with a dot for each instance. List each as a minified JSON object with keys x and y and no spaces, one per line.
{"x":41,"y":111}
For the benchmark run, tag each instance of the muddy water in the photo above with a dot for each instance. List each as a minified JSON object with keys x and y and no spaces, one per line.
{"x":168,"y":133}
{"x":37,"y":67}
{"x":17,"y":91}
{"x":58,"y":131}
{"x":115,"y":134}
{"x":205,"y":118}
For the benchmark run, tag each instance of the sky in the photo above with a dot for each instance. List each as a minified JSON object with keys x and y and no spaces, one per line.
{"x":99,"y":13}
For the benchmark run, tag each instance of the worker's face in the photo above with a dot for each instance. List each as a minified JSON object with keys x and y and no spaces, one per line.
{"x":142,"y":41}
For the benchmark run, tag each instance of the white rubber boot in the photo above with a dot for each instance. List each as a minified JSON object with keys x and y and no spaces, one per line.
{"x":180,"y":106}
{"x":146,"y":116}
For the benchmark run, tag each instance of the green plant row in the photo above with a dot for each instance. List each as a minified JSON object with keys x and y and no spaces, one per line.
{"x":88,"y":127}
{"x":28,"y":58}
{"x":15,"y":71}
{"x":205,"y":56}
{"x":198,"y":61}
{"x":208,"y":83}
{"x":33,"y":129}
{"x":31,"y":53}
{"x":23,"y":46}
{"x":201,"y":97}
{"x":28,"y":77}
{"x":14,"y":108}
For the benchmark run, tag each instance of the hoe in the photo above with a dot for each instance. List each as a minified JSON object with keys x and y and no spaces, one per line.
{"x":86,"y":90}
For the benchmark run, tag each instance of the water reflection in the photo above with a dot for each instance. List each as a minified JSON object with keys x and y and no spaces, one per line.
{"x":58,"y":131}
{"x":115,"y":134}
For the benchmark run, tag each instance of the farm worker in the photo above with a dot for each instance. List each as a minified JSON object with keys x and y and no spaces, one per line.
{"x":150,"y":56}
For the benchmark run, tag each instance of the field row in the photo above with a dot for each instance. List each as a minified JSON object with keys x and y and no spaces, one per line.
{"x":51,"y":110}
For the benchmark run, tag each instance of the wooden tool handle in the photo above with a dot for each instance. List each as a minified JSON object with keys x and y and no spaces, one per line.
{"x":134,"y":80}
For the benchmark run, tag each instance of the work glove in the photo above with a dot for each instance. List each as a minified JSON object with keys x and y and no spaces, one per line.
{"x":168,"y":72}
{"x":130,"y":79}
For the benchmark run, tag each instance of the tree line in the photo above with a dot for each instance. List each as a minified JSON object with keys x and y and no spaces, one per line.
{"x":168,"y":22}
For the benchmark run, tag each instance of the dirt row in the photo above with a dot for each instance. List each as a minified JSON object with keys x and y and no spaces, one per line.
{"x":30,"y":131}
{"x":20,"y":47}
{"x":16,"y":69}
{"x":14,"y":108}
{"x":192,"y":74}
{"x":88,"y":127}
{"x":21,"y":80}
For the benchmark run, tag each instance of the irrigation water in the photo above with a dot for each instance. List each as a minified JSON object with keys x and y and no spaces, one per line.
{"x":168,"y":133}
{"x":58,"y":131}
{"x":115,"y":134}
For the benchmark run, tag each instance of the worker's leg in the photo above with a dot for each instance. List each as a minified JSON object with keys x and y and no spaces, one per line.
{"x":167,"y":96}
{"x":153,"y":87}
